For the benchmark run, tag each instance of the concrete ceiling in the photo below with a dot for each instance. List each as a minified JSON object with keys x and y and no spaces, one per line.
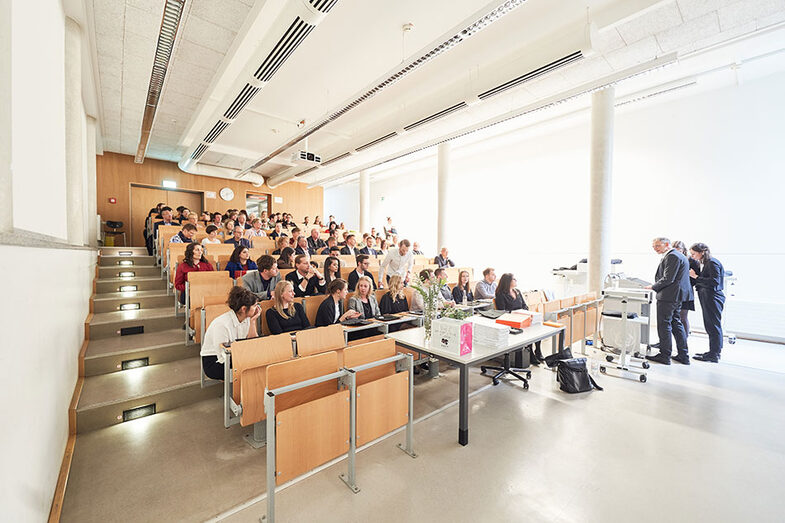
{"x":361,"y":41}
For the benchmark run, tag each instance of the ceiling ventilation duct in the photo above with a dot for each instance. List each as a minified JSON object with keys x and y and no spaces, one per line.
{"x":290,"y":29}
{"x":173,"y":10}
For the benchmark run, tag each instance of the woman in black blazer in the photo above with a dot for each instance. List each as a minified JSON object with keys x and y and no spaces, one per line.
{"x":508,"y":297}
{"x":331,"y":309}
{"x":688,"y":304}
{"x":462,"y":290}
{"x":709,"y":284}
{"x":286,"y":315}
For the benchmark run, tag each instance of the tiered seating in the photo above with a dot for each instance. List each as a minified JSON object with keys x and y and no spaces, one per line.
{"x":203,"y":289}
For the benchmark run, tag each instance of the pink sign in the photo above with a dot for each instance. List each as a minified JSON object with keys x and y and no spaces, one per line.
{"x":466,"y":338}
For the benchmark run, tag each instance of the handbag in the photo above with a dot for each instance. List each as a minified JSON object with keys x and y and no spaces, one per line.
{"x":573,"y":376}
{"x":554,"y":359}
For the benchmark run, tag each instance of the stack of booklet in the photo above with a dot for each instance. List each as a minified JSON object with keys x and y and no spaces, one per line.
{"x":491,"y":335}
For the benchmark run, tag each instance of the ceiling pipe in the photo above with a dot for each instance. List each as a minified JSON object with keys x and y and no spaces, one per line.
{"x":257,"y":180}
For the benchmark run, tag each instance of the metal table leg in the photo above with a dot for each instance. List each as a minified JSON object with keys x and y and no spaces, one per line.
{"x":463,"y":407}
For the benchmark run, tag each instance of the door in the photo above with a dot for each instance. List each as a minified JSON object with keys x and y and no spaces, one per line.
{"x":145,"y":198}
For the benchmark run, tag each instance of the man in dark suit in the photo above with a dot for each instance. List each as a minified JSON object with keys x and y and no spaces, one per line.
{"x":302,"y":247}
{"x":350,"y":249}
{"x":306,"y":280}
{"x":672,"y":284}
{"x":363,"y":266}
{"x":369,"y":247}
{"x":314,"y":242}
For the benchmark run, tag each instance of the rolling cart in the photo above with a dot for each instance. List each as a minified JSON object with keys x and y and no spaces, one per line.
{"x":624,"y":332}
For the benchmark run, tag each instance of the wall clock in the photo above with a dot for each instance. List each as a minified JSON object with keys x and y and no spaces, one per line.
{"x":227,"y":194}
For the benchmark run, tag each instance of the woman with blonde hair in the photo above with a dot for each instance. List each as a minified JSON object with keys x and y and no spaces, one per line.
{"x":364,"y":300}
{"x":285,"y":315}
{"x":394,"y":300}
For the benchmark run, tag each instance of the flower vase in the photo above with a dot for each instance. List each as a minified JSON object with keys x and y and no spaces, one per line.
{"x":428,"y":315}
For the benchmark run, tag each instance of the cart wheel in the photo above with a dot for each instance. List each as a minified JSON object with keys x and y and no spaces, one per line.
{"x":525,"y":386}
{"x":732,"y":340}
{"x":645,"y":365}
{"x":495,"y":382}
{"x":528,"y":374}
{"x":643,"y":378}
{"x":609,"y":359}
{"x":602,"y":370}
{"x":638,"y":355}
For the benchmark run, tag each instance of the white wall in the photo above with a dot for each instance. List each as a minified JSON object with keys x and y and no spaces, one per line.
{"x":38,"y":117}
{"x":43,"y":311}
{"x":704,"y":168}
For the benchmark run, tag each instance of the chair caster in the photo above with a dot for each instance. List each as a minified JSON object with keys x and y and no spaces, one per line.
{"x":482,"y":370}
{"x":645,"y":365}
{"x":602,"y":370}
{"x":495,"y":382}
{"x":609,"y":359}
{"x":528,"y":375}
{"x":643,"y":378}
{"x":525,"y":386}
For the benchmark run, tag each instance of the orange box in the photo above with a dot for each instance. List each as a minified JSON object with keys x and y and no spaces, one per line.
{"x":514,"y":320}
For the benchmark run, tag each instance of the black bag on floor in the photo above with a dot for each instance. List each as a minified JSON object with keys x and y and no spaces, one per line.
{"x":573,"y":376}
{"x":554,"y":359}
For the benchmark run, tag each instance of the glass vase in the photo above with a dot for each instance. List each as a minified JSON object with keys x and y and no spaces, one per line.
{"x":428,"y":315}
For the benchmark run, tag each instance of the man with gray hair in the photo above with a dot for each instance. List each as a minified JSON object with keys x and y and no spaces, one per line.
{"x":672,"y":284}
{"x":443,"y":259}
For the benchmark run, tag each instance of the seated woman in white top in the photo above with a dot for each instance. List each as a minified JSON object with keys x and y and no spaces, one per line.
{"x":239,"y":323}
{"x":212,"y":235}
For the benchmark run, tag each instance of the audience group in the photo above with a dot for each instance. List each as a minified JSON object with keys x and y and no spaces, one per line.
{"x":295,"y":243}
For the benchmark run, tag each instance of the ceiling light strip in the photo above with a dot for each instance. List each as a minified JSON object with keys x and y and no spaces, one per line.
{"x":170,"y":23}
{"x":546,"y":103}
{"x":478,"y":25}
{"x":556,"y":64}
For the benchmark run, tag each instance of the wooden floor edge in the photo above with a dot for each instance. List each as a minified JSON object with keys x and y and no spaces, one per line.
{"x":65,"y":467}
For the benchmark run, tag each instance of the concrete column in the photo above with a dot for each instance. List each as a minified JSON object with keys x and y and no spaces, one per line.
{"x":6,"y":175}
{"x":74,"y":112}
{"x":365,"y":202}
{"x":602,"y":115}
{"x":92,"y":196}
{"x":443,"y":202}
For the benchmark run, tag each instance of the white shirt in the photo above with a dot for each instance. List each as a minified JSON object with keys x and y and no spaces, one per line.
{"x":206,"y":241}
{"x":394,"y":263}
{"x":224,"y":329}
{"x":337,"y":312}
{"x":253,"y":233}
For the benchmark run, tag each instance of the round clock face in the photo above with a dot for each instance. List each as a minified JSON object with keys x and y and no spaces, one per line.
{"x":227,"y":194}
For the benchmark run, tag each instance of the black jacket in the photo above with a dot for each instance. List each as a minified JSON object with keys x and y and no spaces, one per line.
{"x":369,"y":252}
{"x":326,"y":313}
{"x":505,"y":302}
{"x":712,"y":277}
{"x":316,"y":245}
{"x":345,"y":251}
{"x":389,"y":306}
{"x":278,"y":324}
{"x":458,"y":293}
{"x":672,"y":278}
{"x":442,"y":262}
{"x":312,"y":289}
{"x":300,"y":250}
{"x":354,"y":278}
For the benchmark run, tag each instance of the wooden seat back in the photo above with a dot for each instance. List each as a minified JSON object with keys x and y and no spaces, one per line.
{"x":567,"y":302}
{"x":175,"y":250}
{"x":266,"y":305}
{"x":208,"y":283}
{"x":363,"y":353}
{"x":211,"y":311}
{"x":321,"y":339}
{"x":263,"y":244}
{"x":284,"y":272}
{"x":319,"y":259}
{"x":257,"y":252}
{"x":311,"y":306}
{"x":219,"y":249}
{"x":347,"y":260}
{"x":297,"y":370}
{"x":551,"y":306}
{"x":250,"y":360}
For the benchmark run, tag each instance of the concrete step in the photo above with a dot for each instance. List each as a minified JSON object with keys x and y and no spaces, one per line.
{"x":127,"y":261}
{"x":119,"y":251}
{"x":112,"y":301}
{"x":109,"y":324}
{"x":133,"y":272}
{"x":167,"y":386}
{"x":106,"y":355}
{"x":142,"y":283}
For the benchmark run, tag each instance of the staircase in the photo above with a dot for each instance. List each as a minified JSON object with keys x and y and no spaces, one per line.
{"x":161,"y":370}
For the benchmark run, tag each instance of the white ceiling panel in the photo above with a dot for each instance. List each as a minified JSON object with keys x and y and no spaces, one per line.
{"x":225,"y":13}
{"x":740,"y":13}
{"x":208,"y":34}
{"x":695,"y":8}
{"x":656,"y":20}
{"x":690,"y":31}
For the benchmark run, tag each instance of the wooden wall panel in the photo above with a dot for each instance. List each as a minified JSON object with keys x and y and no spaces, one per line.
{"x":116,"y":172}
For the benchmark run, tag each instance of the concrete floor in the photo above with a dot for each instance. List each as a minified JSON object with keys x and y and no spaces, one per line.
{"x":697,"y":443}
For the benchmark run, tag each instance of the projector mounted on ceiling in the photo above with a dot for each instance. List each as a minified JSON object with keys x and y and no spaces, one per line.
{"x":305,"y":157}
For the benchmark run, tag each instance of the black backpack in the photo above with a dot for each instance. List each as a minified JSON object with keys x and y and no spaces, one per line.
{"x":573,"y":376}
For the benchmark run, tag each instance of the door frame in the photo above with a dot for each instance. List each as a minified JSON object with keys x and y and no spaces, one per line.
{"x":131,"y":186}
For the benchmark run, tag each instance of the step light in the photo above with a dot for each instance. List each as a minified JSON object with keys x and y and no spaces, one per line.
{"x":126,"y":253}
{"x":127,"y":288}
{"x":127,"y":274}
{"x":135,"y":364}
{"x":138,"y":412}
{"x":125,"y":263}
{"x":127,"y":331}
{"x":129,"y":306}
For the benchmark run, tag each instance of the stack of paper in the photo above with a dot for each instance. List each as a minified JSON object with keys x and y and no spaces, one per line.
{"x":491,"y":335}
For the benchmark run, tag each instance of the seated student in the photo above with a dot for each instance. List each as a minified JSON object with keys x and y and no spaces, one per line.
{"x":217,"y":219}
{"x":242,"y":221}
{"x":314,"y":242}
{"x":364,"y":301}
{"x":462,"y":292}
{"x":332,"y":270}
{"x":237,"y":237}
{"x":238,"y":323}
{"x":394,"y":300}
{"x":369,"y":248}
{"x":342,"y":243}
{"x":335,"y":251}
{"x":508,"y":297}
{"x":305,"y":278}
{"x":294,"y":241}
{"x":330,"y":245}
{"x":286,"y":259}
{"x":418,"y":303}
{"x":350,"y":248}
{"x":239,"y":263}
{"x":331,"y":309}
{"x":278,"y":231}
{"x":255,"y":231}
{"x":486,"y":288}
{"x":416,"y":249}
{"x":263,"y":281}
{"x":444,"y":290}
{"x":363,"y":264}
{"x":443,"y":259}
{"x":194,"y":261}
{"x":285,"y":315}
{"x":228,"y":229}
{"x":212,"y":235}
{"x":186,"y":235}
{"x":281,"y":243}
{"x":384,"y":248}
{"x":302,"y":246}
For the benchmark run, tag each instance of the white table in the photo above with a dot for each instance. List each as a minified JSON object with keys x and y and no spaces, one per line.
{"x":414,"y":339}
